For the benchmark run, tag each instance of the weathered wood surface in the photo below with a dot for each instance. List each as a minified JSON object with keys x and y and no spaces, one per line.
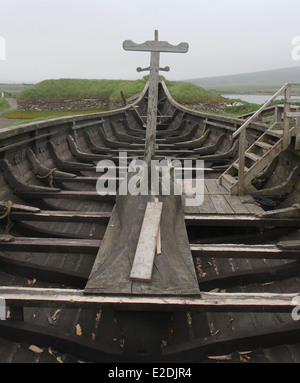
{"x":155,"y":46}
{"x":144,"y":256}
{"x":82,"y":195}
{"x":245,"y":220}
{"x":203,"y":219}
{"x":250,"y":251}
{"x":216,"y":200}
{"x":21,"y":244}
{"x":173,"y":272}
{"x":240,"y":302}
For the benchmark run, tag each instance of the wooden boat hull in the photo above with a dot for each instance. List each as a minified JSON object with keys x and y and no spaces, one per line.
{"x":54,"y":226}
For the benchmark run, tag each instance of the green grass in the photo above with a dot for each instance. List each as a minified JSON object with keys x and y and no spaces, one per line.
{"x":34,"y":116}
{"x":187,"y":92}
{"x":3,"y":104}
{"x":111,"y":89}
{"x":77,"y":88}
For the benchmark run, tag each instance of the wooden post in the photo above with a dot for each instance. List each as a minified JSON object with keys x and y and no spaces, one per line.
{"x":152,"y":108}
{"x":277,"y":114}
{"x":155,"y":47}
{"x":242,"y":149}
{"x":286,"y":123}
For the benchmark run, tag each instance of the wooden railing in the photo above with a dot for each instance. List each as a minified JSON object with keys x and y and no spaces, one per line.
{"x":286,"y":89}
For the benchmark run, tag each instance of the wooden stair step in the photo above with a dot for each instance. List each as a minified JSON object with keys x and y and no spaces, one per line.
{"x":236,"y":166}
{"x":263,"y":145}
{"x":276,"y":133}
{"x":227,"y":181}
{"x":252,"y":156}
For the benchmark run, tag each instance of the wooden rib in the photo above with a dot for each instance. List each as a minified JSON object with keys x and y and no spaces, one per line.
{"x":50,"y":274}
{"x":26,"y":141}
{"x":245,"y":277}
{"x":221,"y":343}
{"x":42,"y":336}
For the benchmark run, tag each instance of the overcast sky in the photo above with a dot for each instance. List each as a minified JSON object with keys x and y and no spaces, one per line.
{"x":83,"y":38}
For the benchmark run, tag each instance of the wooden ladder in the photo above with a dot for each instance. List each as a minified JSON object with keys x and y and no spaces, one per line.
{"x":268,"y":146}
{"x":257,"y":158}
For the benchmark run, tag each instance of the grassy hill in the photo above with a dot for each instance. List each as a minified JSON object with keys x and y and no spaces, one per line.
{"x":257,"y":82}
{"x":110,"y":89}
{"x":81,"y":88}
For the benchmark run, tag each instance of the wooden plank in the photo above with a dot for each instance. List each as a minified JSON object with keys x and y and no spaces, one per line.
{"x":218,"y":125}
{"x":84,"y":246}
{"x":239,"y":220}
{"x":251,"y":205}
{"x":207,"y":206}
{"x":61,"y":216}
{"x":289,"y":245}
{"x":240,"y":302}
{"x":144,"y":256}
{"x":236,"y":205}
{"x":244,"y":251}
{"x":241,"y":162}
{"x":16,"y":206}
{"x":213,"y":187}
{"x":188,"y":209}
{"x":86,"y":195}
{"x":221,"y":204}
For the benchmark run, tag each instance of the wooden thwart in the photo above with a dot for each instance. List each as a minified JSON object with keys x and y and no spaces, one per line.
{"x":70,"y":298}
{"x":144,"y":257}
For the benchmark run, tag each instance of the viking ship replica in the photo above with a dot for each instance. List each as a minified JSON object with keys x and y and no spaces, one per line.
{"x":153,"y":277}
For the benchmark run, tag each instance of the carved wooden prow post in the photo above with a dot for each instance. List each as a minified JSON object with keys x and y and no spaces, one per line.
{"x":155,"y":47}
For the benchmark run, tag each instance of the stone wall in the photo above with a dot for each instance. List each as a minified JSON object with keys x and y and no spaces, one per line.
{"x":78,"y":104}
{"x":101,"y":104}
